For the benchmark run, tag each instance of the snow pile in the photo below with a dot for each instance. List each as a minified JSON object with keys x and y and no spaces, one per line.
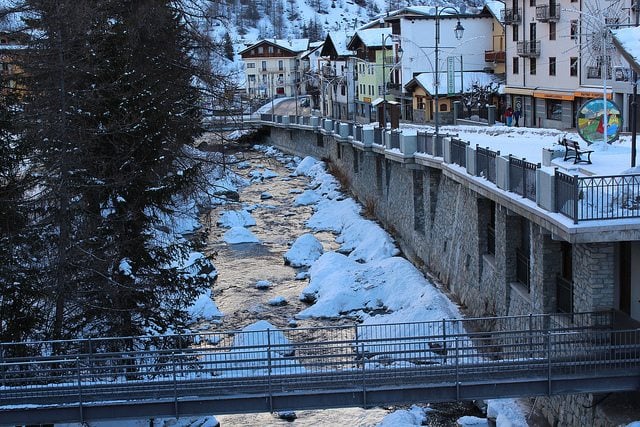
{"x":238,"y":218}
{"x":259,"y":349}
{"x":309,"y":197}
{"x":304,"y":251}
{"x":414,"y":416}
{"x":204,"y":308}
{"x":506,"y":412}
{"x":236,"y":235}
{"x":469,"y":421}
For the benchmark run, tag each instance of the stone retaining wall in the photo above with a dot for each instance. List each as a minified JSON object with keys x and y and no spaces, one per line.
{"x":442,"y":225}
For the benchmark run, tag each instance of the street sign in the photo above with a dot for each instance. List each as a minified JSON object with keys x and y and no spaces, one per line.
{"x":451,"y":81}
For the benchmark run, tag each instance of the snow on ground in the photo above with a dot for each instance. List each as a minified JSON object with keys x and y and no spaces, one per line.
{"x":414,"y":416}
{"x":204,"y":308}
{"x":506,"y":413}
{"x":236,"y":218}
{"x":304,"y":251}
{"x":236,"y":235}
{"x":529,"y":143}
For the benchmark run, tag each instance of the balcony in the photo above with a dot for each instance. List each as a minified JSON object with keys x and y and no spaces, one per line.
{"x":497,"y":56}
{"x":547,"y":13}
{"x":530,"y":48}
{"x":595,"y":72}
{"x":510,"y":16}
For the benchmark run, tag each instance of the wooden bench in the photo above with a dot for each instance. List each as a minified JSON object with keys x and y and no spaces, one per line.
{"x":573,"y":151}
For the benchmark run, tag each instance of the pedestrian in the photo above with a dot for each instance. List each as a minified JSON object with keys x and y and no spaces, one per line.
{"x":508,"y":115}
{"x":516,"y":118}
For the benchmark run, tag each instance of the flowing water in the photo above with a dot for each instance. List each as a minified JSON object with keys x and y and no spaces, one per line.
{"x":240,"y":266}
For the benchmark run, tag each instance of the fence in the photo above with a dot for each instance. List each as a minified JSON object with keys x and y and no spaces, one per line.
{"x":598,"y":197}
{"x":522,"y":177}
{"x":459,"y":152}
{"x":486,"y":163}
{"x":578,"y":198}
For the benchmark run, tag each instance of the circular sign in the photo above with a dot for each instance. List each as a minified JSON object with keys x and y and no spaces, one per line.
{"x":591,"y":121}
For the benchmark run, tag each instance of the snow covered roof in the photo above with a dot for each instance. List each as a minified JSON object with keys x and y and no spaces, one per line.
{"x":371,"y":37}
{"x":496,"y":8}
{"x":469,"y":78}
{"x":627,"y":40}
{"x":292,"y":45}
{"x":338,"y":41}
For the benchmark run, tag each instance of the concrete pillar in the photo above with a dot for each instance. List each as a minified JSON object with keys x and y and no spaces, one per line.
{"x":457,"y":108}
{"x":491,"y":115}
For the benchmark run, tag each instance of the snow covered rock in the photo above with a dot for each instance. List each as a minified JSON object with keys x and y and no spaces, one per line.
{"x":304,"y":251}
{"x":237,"y":235}
{"x":239,"y":218}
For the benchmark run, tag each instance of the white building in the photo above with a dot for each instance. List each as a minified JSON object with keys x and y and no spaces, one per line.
{"x":556,"y":52}
{"x":337,"y":73}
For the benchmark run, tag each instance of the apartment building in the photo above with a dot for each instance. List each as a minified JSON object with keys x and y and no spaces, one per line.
{"x":275,"y":67}
{"x":337,"y":77}
{"x":560,"y":55}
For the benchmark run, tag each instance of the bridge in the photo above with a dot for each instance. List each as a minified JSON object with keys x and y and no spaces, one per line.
{"x":311,"y":368}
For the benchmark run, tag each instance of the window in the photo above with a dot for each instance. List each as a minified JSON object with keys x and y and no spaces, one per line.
{"x":516,"y":65}
{"x":554,"y":109}
{"x":280,"y":65}
{"x":264,"y":65}
{"x":270,"y":49}
{"x":252,"y":78}
{"x":532,"y":66}
{"x":532,"y":2}
{"x":573,"y":66}
{"x":260,"y":50}
{"x":552,"y":65}
{"x":251,"y":65}
{"x":514,"y":33}
{"x":574,"y":30}
{"x":420,"y":104}
{"x":552,"y":30}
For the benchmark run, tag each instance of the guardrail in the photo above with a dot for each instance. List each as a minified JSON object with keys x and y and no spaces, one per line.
{"x":534,"y":349}
{"x":578,"y":198}
{"x":598,"y":197}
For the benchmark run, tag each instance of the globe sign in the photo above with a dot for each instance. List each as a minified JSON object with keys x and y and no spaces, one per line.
{"x":591,"y":121}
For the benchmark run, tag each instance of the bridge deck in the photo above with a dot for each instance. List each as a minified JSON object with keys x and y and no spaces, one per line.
{"x":235,"y":372}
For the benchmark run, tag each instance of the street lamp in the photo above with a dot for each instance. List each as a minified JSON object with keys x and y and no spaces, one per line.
{"x":459,"y":32}
{"x":384,"y":75}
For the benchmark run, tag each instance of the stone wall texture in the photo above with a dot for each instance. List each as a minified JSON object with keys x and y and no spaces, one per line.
{"x":447,"y":236}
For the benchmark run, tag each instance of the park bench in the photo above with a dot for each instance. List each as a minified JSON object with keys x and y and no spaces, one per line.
{"x":573,"y":151}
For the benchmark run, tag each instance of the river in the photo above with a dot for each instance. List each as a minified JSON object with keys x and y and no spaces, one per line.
{"x":241,"y":266}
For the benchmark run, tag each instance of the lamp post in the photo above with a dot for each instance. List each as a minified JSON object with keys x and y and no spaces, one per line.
{"x":384,"y":82}
{"x":459,"y":32}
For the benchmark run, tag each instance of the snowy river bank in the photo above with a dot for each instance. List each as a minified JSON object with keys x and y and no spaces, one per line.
{"x":356,"y":275}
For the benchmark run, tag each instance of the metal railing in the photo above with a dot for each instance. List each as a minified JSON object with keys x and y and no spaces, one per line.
{"x":510,"y":16}
{"x":459,"y":152}
{"x":522,"y":177}
{"x":529,"y":48}
{"x":486,"y":163}
{"x":599,"y":197}
{"x":548,"y":12}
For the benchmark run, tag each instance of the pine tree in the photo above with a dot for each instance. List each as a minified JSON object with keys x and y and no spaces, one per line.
{"x":109,"y":108}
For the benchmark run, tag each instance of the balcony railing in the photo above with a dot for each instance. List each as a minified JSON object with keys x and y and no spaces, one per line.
{"x":522,"y":177}
{"x":486,"y":163}
{"x":598,"y":197}
{"x":595,"y":72}
{"x":546,"y":12}
{"x":580,"y":198}
{"x":529,"y":48}
{"x":510,"y":16}
{"x":498,"y":56}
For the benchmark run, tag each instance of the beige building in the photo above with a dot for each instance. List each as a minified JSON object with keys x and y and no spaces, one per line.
{"x":274,"y":68}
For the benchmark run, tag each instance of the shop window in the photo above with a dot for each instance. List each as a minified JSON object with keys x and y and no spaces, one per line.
{"x":554,"y":109}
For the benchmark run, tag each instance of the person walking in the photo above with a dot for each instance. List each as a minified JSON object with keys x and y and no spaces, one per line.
{"x":516,"y":118}
{"x":508,"y":115}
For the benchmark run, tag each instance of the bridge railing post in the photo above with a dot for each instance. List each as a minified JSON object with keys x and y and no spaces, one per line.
{"x":175,"y":383}
{"x":444,"y":339}
{"x":549,"y":363}
{"x":364,"y":379}
{"x":457,"y":368}
{"x":269,"y":369}
{"x":79,"y":374}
